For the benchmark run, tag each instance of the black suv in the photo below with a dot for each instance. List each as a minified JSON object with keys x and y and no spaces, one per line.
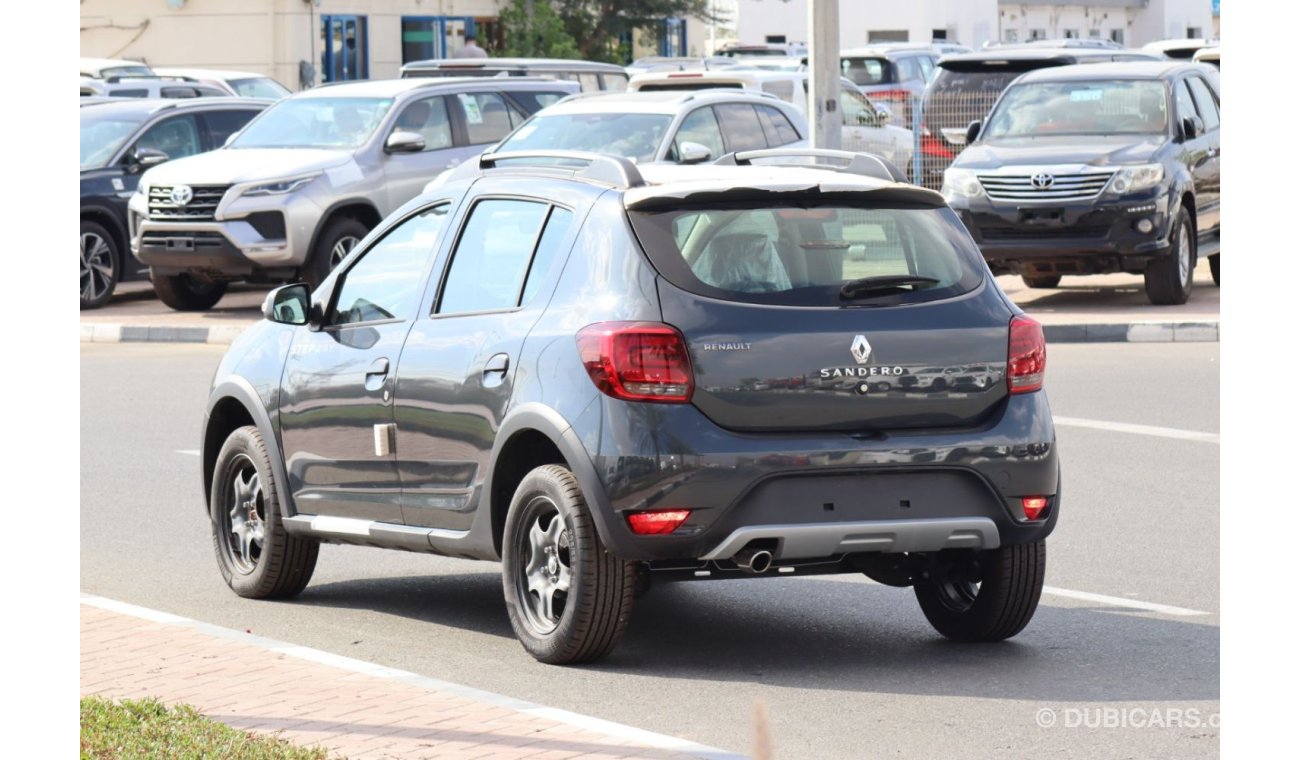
{"x":119,"y":140}
{"x":604,"y":374}
{"x":1092,"y":169}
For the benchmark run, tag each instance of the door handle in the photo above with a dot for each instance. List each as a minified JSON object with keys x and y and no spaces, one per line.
{"x":379,"y":368}
{"x":498,"y":364}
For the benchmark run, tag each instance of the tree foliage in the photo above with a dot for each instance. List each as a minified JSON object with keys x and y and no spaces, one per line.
{"x":593,"y":27}
{"x":534,"y":30}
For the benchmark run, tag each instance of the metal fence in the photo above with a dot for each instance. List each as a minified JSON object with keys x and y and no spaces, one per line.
{"x":938,"y":123}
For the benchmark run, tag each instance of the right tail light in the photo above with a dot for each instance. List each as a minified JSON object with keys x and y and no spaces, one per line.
{"x":1026,"y":355}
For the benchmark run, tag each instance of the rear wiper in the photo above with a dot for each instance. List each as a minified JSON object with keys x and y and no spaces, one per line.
{"x":865,"y":285}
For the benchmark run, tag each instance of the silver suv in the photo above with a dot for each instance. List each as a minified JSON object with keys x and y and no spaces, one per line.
{"x":297,"y":188}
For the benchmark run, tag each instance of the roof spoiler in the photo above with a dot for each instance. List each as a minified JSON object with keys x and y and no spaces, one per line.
{"x":865,"y":164}
{"x":607,"y":169}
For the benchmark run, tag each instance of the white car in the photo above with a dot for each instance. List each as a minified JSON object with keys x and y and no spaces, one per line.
{"x":866,"y":126}
{"x":107,"y":68}
{"x":241,"y":83}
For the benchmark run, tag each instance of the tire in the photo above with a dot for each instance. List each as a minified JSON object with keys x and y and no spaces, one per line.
{"x":1043,"y":281}
{"x":101,"y":265}
{"x":184,"y":293}
{"x":1000,"y":607}
{"x":1169,"y":278}
{"x":338,"y":238}
{"x":244,"y":502}
{"x":589,"y":590}
{"x":1214,"y":269}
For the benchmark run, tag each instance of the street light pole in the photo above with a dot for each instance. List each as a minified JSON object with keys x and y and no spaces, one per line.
{"x":824,"y":73}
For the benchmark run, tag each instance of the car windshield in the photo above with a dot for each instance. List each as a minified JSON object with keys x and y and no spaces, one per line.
{"x":126,"y":71}
{"x":315,"y":123}
{"x":103,"y":134}
{"x":259,"y":87}
{"x":1080,"y":108}
{"x":631,"y":135}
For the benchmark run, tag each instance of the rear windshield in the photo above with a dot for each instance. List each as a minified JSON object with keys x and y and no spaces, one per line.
{"x":868,"y":71}
{"x":993,"y":79}
{"x":688,"y":84}
{"x":821,"y":255}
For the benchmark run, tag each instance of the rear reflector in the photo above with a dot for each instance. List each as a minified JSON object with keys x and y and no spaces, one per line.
{"x":658,"y":522}
{"x":1033,"y":506}
{"x":1026,"y":355}
{"x":637,"y":361}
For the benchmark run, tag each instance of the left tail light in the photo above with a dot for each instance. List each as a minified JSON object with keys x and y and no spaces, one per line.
{"x":637,"y":361}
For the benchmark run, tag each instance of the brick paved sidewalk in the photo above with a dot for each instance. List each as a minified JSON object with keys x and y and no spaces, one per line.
{"x":258,"y":685}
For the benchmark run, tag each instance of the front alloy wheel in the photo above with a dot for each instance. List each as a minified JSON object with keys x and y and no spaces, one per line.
{"x":99,"y":273}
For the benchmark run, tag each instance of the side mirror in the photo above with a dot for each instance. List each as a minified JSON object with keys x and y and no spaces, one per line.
{"x":288,"y":304}
{"x":973,"y":131}
{"x":692,"y":153}
{"x":883,"y":114}
{"x":1193,"y":127}
{"x":143,"y":158}
{"x":404,"y":142}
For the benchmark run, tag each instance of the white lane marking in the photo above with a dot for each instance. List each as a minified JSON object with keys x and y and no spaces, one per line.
{"x":188,"y":452}
{"x":1116,"y":601}
{"x":1086,"y":596}
{"x":577,"y":720}
{"x":1126,"y":427}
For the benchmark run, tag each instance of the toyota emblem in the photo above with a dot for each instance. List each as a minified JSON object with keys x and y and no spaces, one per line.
{"x":182,"y":194}
{"x":1042,"y":181}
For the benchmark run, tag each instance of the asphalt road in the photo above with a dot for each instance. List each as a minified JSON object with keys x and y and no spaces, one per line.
{"x":845,"y":668}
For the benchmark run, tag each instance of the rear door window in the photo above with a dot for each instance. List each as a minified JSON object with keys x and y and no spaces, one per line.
{"x":909,"y":70}
{"x":548,"y":249}
{"x":1205,"y":102}
{"x":741,"y":127}
{"x":223,"y":124}
{"x":1186,"y":105}
{"x":776,"y":127}
{"x":487,"y":119}
{"x":867,"y":71}
{"x":177,"y":136}
{"x":614,"y":82}
{"x":589,"y":82}
{"x":804,"y":255}
{"x":491,"y":258}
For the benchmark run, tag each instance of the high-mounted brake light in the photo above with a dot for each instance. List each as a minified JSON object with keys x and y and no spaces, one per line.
{"x":890,"y":95}
{"x":658,"y":522}
{"x":1026,"y":355}
{"x":1033,"y":506}
{"x":637,"y":361}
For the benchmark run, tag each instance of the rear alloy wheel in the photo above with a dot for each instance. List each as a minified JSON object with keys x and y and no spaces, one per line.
{"x":999,"y":606}
{"x":184,"y":293}
{"x":333,"y":245}
{"x":1214,"y":269}
{"x":1169,"y":278}
{"x":568,"y":598}
{"x":99,"y":269}
{"x":258,"y":559}
{"x":1041,"y":281}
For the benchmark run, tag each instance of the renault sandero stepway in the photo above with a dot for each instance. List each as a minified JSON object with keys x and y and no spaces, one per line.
{"x":604,"y":374}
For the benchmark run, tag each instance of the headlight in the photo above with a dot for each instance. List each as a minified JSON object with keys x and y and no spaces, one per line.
{"x":278,"y":188}
{"x":961,"y":183}
{"x":1130,"y":179}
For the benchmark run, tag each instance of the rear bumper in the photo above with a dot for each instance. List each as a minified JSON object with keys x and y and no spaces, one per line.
{"x":818,"y":495}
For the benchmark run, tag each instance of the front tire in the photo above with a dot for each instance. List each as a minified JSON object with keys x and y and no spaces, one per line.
{"x":1169,"y":278}
{"x":184,"y":293}
{"x":333,"y":245}
{"x":1042,"y":281}
{"x":100,"y":265}
{"x":999,"y":607}
{"x":568,"y":598}
{"x":257,"y":557}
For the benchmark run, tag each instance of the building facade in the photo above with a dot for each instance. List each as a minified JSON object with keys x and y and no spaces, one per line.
{"x":304,"y":42}
{"x":1132,"y":23}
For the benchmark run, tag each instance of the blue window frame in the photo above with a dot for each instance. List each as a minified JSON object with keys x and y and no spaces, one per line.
{"x":345,"y":49}
{"x":672,"y":43}
{"x":426,"y":37}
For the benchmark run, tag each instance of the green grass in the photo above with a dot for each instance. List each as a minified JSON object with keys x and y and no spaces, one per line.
{"x":149,"y":729}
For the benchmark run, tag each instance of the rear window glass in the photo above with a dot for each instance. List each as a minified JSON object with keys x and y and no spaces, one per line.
{"x":988,"y":80}
{"x":867,"y":71}
{"x":689,"y":84}
{"x":812,"y":255}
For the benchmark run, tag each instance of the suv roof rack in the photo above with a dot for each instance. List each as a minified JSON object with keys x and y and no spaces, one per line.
{"x":866,"y":164}
{"x":611,"y":170}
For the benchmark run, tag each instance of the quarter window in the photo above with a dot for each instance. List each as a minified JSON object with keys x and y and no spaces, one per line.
{"x":486,"y":117}
{"x":491,"y":257}
{"x":778,"y":128}
{"x":223,"y":124}
{"x":556,"y":232}
{"x":385,"y":283}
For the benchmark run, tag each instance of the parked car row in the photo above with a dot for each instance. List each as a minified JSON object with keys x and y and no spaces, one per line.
{"x":131,"y":79}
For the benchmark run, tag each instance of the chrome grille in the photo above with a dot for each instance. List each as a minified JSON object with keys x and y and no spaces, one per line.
{"x":1065,"y":187}
{"x":201,"y":208}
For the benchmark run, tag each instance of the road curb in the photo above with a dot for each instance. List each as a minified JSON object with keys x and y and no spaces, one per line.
{"x":1100,"y":332}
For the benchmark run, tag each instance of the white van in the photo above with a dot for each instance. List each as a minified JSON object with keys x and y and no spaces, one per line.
{"x":867,"y":127}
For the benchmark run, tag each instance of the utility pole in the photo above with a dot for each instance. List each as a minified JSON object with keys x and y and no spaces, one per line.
{"x":824,"y":73}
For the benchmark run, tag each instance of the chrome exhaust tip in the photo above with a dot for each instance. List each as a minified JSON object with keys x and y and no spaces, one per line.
{"x":756,"y":561}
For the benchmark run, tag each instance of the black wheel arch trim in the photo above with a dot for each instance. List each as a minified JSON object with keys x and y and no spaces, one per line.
{"x":106,"y":218}
{"x":330,"y":212}
{"x":242,"y":392}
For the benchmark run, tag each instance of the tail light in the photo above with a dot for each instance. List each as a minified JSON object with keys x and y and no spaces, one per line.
{"x":658,"y":522}
{"x":933,"y":146}
{"x":890,"y":95}
{"x":1026,"y":355}
{"x":637,"y":361}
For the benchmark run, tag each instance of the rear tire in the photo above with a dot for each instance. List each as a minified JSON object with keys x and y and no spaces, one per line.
{"x":1169,"y":278}
{"x":101,"y":266}
{"x":1214,"y":269}
{"x":1042,"y":281}
{"x":184,"y":293}
{"x":257,"y":557}
{"x":333,"y":244}
{"x":1000,"y":607}
{"x":568,"y":598}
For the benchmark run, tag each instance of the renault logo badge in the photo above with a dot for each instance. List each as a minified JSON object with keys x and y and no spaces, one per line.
{"x":182,"y":194}
{"x":861,"y":349}
{"x":1042,"y":181}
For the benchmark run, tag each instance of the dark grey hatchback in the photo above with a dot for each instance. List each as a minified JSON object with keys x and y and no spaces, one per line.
{"x":602,"y":375}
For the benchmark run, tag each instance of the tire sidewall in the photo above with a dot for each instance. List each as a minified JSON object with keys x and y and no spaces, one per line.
{"x":1185,"y":231}
{"x":318,"y":267}
{"x":115,"y":256}
{"x":547,"y":482}
{"x":247,"y":442}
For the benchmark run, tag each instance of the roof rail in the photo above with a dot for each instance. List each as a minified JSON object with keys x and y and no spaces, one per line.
{"x":866,"y":164}
{"x":611,"y":170}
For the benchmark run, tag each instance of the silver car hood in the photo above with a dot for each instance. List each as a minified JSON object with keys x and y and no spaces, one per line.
{"x":228,"y":167}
